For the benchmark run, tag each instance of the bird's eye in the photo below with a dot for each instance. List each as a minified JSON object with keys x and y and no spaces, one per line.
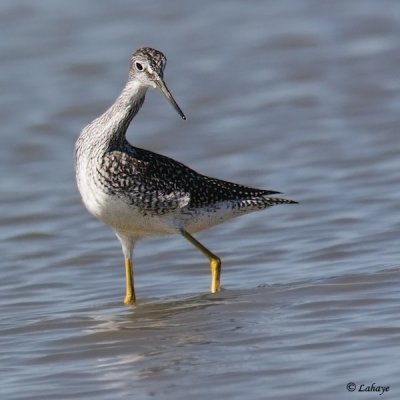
{"x":139,"y":66}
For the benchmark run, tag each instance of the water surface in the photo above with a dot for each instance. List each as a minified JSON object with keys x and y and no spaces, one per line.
{"x":301,"y":97}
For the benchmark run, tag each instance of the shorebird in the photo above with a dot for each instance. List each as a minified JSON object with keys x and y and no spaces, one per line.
{"x":139,"y":193}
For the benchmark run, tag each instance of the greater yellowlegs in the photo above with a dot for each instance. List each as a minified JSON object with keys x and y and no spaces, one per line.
{"x":140,"y":193}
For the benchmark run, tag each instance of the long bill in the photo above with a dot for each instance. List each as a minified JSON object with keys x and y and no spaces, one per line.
{"x":167,"y":94}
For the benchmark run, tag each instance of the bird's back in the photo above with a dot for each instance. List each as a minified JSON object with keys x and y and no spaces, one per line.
{"x":158,"y":184}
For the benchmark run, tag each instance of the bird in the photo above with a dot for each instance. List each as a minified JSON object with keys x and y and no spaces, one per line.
{"x":139,"y":193}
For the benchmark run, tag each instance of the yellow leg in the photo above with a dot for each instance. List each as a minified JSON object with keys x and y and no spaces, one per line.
{"x":130,"y":290}
{"x":215,"y":262}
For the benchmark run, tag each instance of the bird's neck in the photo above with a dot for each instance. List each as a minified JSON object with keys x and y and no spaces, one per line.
{"x":110,"y":128}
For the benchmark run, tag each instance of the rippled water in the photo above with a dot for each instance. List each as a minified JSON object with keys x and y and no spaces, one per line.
{"x":298,"y":96}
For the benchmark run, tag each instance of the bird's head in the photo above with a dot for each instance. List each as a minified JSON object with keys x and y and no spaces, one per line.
{"x":147,"y":67}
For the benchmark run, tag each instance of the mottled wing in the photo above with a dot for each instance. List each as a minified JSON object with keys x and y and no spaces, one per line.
{"x":160,"y":184}
{"x":145,"y":183}
{"x":202,"y":191}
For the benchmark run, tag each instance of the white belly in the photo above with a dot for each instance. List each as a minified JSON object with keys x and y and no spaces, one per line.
{"x":124,"y":217}
{"x":128,"y":219}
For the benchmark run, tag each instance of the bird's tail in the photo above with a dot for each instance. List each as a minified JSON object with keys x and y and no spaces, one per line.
{"x":261,"y":202}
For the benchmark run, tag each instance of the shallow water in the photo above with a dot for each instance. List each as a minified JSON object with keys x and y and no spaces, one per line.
{"x":301,"y":97}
